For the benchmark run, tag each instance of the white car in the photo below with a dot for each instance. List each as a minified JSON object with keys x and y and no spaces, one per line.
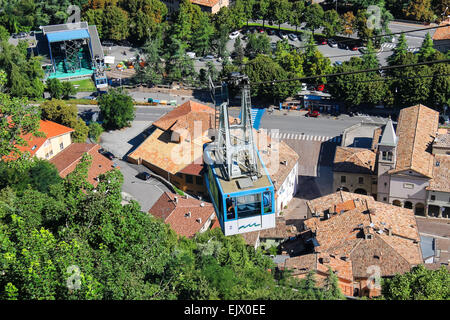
{"x":191,"y":54}
{"x":234,"y":35}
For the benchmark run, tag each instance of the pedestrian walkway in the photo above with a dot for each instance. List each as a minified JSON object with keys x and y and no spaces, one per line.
{"x":306,"y":137}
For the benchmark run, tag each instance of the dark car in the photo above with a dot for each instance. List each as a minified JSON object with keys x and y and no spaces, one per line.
{"x":332,"y":43}
{"x":312,"y":113}
{"x":144,"y":175}
{"x":108,"y":154}
{"x":260,"y":29}
{"x":342,"y":45}
{"x":322,"y":41}
{"x":354,"y":47}
{"x":270,"y":32}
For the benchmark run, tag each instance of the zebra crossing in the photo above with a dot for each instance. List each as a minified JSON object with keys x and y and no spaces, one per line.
{"x":392,"y":46}
{"x":306,"y":137}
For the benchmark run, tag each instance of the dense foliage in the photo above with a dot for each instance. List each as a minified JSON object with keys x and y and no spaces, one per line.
{"x":117,"y":109}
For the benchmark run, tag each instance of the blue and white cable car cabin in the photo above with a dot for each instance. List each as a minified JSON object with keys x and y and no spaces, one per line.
{"x":237,"y":180}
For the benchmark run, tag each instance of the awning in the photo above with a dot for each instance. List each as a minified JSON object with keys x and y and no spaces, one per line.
{"x":68,"y":35}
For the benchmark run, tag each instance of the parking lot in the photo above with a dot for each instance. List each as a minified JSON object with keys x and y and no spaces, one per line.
{"x":120,"y":143}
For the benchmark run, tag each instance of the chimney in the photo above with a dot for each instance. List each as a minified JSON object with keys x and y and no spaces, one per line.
{"x":389,"y":231}
{"x":175,"y":199}
{"x":188,"y":215}
{"x":202,"y":204}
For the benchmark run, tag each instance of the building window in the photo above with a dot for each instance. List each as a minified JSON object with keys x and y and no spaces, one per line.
{"x":189,"y":179}
{"x":61,"y":145}
{"x":408,"y":186}
{"x":51,"y":152}
{"x":387,"y":155}
{"x":433,"y":197}
{"x":343,"y":179}
{"x":384,"y":199}
{"x":46,"y":156}
{"x":199,"y":180}
{"x":360,"y":180}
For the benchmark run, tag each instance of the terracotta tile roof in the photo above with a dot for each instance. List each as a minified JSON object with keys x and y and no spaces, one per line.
{"x":182,"y":119}
{"x":251,"y":238}
{"x":376,"y":252}
{"x":206,"y":3}
{"x":441,"y":174}
{"x":417,"y":127}
{"x":442,"y":33}
{"x":319,"y":205}
{"x":67,"y":160}
{"x":442,"y":141}
{"x":319,"y":262}
{"x":281,"y":231}
{"x":394,"y":231}
{"x":175,"y":214}
{"x":376,"y":138}
{"x":50,"y":129}
{"x":354,"y":160}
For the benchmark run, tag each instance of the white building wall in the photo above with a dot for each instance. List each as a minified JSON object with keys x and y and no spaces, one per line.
{"x":287,"y":190}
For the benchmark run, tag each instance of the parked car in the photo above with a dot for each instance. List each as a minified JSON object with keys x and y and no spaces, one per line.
{"x":322,"y":41}
{"x":320,"y":87}
{"x":252,"y":30}
{"x":191,"y":54}
{"x":354,"y":47}
{"x":338,"y":63}
{"x":342,"y":45}
{"x":312,"y":113}
{"x":292,"y":36}
{"x":207,"y":58}
{"x":144,"y":175}
{"x":107,"y":154}
{"x":363,"y":50}
{"x":304,"y":87}
{"x":270,"y":32}
{"x":107,"y":43}
{"x":332,"y":43}
{"x":234,"y":35}
{"x":260,"y":29}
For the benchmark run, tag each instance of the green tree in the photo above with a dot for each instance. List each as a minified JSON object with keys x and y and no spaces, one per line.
{"x":54,"y":87}
{"x":332,"y":23}
{"x":257,"y":44}
{"x":262,"y":69}
{"x":68,"y":89}
{"x":202,"y":35}
{"x":117,"y":109}
{"x":95,"y":131}
{"x":239,"y":50}
{"x":418,"y":284}
{"x":315,"y":63}
{"x":4,"y":34}
{"x":149,"y":66}
{"x":426,"y":51}
{"x":261,"y":10}
{"x":297,"y":11}
{"x":332,"y":290}
{"x":281,"y":10}
{"x":314,"y":16}
{"x":146,"y":18}
{"x":115,"y":23}
{"x":420,"y":10}
{"x":19,"y":118}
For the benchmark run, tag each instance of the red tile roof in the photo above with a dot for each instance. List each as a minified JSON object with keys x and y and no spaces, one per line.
{"x":176,"y":213}
{"x":50,"y":129}
{"x":67,"y":160}
{"x":443,"y":33}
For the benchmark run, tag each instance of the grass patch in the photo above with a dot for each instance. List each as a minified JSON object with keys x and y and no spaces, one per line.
{"x":180,"y":192}
{"x":82,"y":101}
{"x":86,"y":85}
